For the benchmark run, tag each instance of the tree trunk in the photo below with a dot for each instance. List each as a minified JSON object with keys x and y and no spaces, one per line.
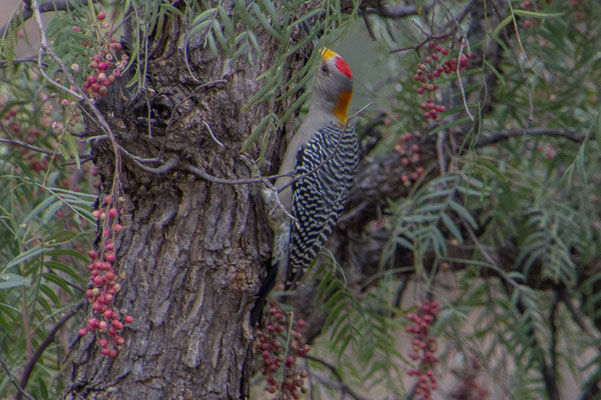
{"x":192,"y":252}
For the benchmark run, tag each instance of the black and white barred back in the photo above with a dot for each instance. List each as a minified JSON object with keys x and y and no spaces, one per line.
{"x":318,"y":199}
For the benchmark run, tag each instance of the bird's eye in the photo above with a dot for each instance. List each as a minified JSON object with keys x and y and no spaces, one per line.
{"x":325,"y":68}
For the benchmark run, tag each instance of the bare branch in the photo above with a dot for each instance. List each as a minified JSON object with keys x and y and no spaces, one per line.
{"x":329,"y":157}
{"x":505,"y":135}
{"x":45,"y":6}
{"x":49,"y":339}
{"x":341,"y":384}
{"x":225,"y":181}
{"x":14,"y":380}
{"x":172,"y":162}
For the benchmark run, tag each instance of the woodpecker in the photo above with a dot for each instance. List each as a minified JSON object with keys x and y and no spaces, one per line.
{"x":324,"y":153}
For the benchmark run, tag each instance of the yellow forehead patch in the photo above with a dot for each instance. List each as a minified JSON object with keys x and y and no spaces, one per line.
{"x":326,"y":54}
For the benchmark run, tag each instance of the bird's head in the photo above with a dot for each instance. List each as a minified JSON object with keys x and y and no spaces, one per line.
{"x":334,"y":84}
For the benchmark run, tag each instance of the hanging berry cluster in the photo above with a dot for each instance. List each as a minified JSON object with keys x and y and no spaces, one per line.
{"x":468,"y":387}
{"x":431,"y":70}
{"x":410,"y":156}
{"x":106,"y":320}
{"x":423,"y":350}
{"x":105,"y":67}
{"x":280,"y":342}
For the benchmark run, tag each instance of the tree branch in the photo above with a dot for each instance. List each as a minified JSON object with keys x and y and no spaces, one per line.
{"x":14,"y":381}
{"x":45,"y":6}
{"x":49,"y":339}
{"x":341,"y":385}
{"x":506,"y":135}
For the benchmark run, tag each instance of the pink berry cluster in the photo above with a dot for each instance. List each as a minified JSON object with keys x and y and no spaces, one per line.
{"x":423,"y":350}
{"x":578,"y":6}
{"x":105,"y":67}
{"x":106,"y":319}
{"x":410,"y":156}
{"x":431,"y":70}
{"x":37,"y":162}
{"x":279,"y":350}
{"x":468,"y":387}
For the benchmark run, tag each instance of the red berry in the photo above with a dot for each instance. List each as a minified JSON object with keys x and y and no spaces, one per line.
{"x":83,"y":332}
{"x":101,"y":15}
{"x":118,"y":325}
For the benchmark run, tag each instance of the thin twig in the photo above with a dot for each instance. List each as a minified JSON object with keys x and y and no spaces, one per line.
{"x":580,"y":321}
{"x":214,"y":179}
{"x":334,"y":151}
{"x":45,"y":46}
{"x":423,"y":42}
{"x":226,"y":181}
{"x":4,"y":63}
{"x":13,"y":380}
{"x":49,"y":339}
{"x":213,"y":135}
{"x":175,"y":107}
{"x":440,"y":152}
{"x":45,"y":6}
{"x":30,"y":147}
{"x":467,"y":110}
{"x":497,"y":137}
{"x":342,"y":385}
{"x":553,"y":328}
{"x":137,"y":158}
{"x":172,"y":162}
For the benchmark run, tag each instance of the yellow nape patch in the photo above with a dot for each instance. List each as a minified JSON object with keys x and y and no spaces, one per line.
{"x":341,"y":109}
{"x":326,"y":54}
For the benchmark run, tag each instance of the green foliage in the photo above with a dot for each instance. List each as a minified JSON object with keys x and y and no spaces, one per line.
{"x":40,"y":273}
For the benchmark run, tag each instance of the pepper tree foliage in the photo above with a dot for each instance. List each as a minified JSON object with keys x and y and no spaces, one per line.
{"x":489,"y":258}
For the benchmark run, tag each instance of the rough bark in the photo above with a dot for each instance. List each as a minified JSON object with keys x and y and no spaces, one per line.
{"x":192,"y":252}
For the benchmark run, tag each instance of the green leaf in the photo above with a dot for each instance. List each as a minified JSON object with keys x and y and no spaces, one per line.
{"x":493,"y":169}
{"x":8,"y":280}
{"x":263,"y":21}
{"x":257,"y":131}
{"x":211,"y":41}
{"x":74,"y":151}
{"x":55,"y":265}
{"x":25,"y":256}
{"x":67,"y":252}
{"x":535,"y":14}
{"x":503,"y":24}
{"x":227,"y":23}
{"x":448,"y":222}
{"x":57,"y":280}
{"x":295,"y":106}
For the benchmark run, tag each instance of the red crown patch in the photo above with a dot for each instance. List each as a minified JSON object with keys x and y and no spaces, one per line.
{"x":343,"y":67}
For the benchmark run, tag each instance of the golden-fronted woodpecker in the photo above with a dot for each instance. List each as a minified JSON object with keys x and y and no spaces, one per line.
{"x":324,"y":153}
